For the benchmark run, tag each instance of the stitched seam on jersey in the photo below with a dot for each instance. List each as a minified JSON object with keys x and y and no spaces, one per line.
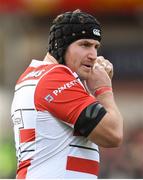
{"x":26,"y":109}
{"x":25,"y":86}
{"x":83,"y":147}
{"x":28,"y":151}
{"x":54,"y":68}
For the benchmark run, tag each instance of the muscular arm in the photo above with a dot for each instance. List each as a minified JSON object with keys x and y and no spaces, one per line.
{"x":101,"y":122}
{"x":108,"y":132}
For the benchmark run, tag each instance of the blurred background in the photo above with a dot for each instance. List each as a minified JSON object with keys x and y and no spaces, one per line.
{"x":24,"y":27}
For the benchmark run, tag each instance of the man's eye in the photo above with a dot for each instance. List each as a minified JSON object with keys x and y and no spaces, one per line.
{"x":85,"y":45}
{"x":97,"y":47}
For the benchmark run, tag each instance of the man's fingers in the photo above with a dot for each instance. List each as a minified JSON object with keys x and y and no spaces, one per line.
{"x":97,"y":66}
{"x":101,"y":62}
{"x":109,"y":70}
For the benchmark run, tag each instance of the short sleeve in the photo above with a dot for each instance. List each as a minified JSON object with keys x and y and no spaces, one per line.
{"x":62,"y":94}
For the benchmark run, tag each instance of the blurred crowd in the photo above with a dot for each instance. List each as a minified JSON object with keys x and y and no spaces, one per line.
{"x":126,"y":161}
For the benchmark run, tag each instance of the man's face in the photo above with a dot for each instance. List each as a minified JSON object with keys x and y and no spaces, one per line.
{"x":81,"y":55}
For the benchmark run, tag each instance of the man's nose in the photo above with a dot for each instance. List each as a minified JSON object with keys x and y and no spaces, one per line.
{"x":92,"y":54}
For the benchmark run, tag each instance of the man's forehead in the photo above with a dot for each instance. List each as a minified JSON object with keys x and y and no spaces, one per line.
{"x":90,"y":41}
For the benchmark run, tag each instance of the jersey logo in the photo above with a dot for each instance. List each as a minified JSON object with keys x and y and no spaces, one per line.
{"x":59,"y":90}
{"x":49,"y":98}
{"x":34,"y":74}
{"x":65,"y":86}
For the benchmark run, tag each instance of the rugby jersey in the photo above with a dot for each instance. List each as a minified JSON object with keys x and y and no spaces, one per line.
{"x":47,"y":102}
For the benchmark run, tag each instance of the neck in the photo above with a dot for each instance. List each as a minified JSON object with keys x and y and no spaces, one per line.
{"x":49,"y":58}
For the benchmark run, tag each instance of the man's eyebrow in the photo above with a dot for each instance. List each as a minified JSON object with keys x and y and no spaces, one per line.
{"x":89,"y":42}
{"x":92,"y":43}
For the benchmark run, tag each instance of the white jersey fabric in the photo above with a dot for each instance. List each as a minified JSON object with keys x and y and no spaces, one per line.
{"x":47,"y":101}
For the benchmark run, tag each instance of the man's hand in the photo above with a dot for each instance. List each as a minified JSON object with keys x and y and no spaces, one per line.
{"x":106,"y":64}
{"x":101,"y":75}
{"x":109,"y":131}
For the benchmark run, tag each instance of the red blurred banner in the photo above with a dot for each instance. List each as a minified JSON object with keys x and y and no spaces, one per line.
{"x":51,"y":7}
{"x":8,"y":6}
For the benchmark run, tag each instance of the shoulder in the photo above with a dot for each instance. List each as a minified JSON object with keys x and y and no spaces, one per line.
{"x":60,"y":69}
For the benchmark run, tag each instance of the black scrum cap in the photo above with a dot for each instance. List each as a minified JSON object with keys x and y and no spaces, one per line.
{"x":69,"y":27}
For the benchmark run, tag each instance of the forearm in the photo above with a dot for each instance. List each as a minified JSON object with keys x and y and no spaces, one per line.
{"x":108,"y":102}
{"x":109,"y":132}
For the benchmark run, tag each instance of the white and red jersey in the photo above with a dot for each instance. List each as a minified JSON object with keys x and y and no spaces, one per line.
{"x":47,"y":102}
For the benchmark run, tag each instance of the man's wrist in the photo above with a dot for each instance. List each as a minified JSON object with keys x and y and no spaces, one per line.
{"x":102,"y":90}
